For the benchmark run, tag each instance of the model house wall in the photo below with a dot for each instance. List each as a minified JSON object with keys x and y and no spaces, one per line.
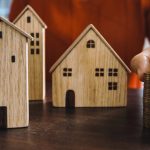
{"x":14,"y":109}
{"x":92,"y":71}
{"x":29,"y":21}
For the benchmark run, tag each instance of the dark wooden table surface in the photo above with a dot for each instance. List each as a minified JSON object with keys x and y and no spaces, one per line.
{"x":82,"y":129}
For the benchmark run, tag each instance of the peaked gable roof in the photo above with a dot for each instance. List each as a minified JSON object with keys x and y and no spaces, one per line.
{"x":64,"y":55}
{"x":28,"y":7}
{"x":16,"y":28}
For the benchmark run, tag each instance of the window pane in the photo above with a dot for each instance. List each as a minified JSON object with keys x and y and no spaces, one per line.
{"x":37,"y":51}
{"x":1,"y":34}
{"x":28,"y":19}
{"x":32,"y":51}
{"x":32,"y":34}
{"x":37,"y":35}
{"x":13,"y":59}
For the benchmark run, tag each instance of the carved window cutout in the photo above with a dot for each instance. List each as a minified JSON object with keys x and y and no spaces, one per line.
{"x":13,"y":59}
{"x":37,"y":43}
{"x":32,"y":51}
{"x":32,"y":34}
{"x":32,"y":43}
{"x":67,"y":72}
{"x":90,"y":44}
{"x":112,"y":85}
{"x":28,"y":19}
{"x":1,"y":35}
{"x":37,"y":51}
{"x":37,"y":35}
{"x":99,"y":72}
{"x":113,"y":72}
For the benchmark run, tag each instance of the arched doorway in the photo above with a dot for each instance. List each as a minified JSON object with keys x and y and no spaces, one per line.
{"x":70,"y":99}
{"x":3,"y":117}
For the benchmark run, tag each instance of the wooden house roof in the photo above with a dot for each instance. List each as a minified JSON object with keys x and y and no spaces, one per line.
{"x":64,"y":55}
{"x":28,"y":7}
{"x":16,"y":28}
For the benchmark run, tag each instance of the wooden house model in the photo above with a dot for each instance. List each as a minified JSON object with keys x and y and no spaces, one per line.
{"x":29,"y":21}
{"x":14,"y":109}
{"x":89,"y":74}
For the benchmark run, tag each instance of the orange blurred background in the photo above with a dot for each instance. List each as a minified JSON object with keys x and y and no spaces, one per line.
{"x":123,"y":23}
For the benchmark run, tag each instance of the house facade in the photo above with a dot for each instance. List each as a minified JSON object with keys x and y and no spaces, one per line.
{"x":92,"y":71}
{"x":29,"y":21}
{"x":14,"y":109}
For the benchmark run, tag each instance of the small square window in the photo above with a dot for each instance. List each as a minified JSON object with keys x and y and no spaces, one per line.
{"x":65,"y":74}
{"x":13,"y":59}
{"x":32,"y":51}
{"x":32,"y":34}
{"x":37,"y":43}
{"x":69,"y":74}
{"x":28,"y":19}
{"x":69,"y":69}
{"x":96,"y":74}
{"x":101,"y":74}
{"x":65,"y":69}
{"x":115,"y":74}
{"x":109,"y":74}
{"x":37,"y":35}
{"x":115,"y":70}
{"x":1,"y":35}
{"x":37,"y":51}
{"x":32,"y":43}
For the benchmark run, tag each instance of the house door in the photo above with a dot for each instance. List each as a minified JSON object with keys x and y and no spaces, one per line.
{"x":3,"y":117}
{"x":70,"y":99}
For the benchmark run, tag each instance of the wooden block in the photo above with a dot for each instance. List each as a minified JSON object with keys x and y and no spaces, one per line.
{"x":29,"y":21}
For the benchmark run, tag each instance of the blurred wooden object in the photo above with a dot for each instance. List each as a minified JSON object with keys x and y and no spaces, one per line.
{"x":29,"y":21}
{"x":14,"y":107}
{"x":92,"y":71}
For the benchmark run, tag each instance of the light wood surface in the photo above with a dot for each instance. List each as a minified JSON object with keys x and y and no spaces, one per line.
{"x":13,"y":75}
{"x":90,"y":90}
{"x":36,"y":61}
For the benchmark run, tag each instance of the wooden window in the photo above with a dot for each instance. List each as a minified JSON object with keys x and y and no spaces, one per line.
{"x":37,"y":51}
{"x":1,"y":35}
{"x":32,"y":51}
{"x":67,"y":72}
{"x":28,"y":19}
{"x":32,"y":43}
{"x":37,"y":35}
{"x":112,"y":72}
{"x":90,"y":44}
{"x":13,"y":59}
{"x":99,"y":72}
{"x":112,"y":85}
{"x":37,"y":43}
{"x":32,"y":34}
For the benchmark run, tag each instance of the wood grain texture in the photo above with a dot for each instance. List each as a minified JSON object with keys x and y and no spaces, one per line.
{"x":90,"y":91}
{"x":13,"y":76}
{"x":36,"y":61}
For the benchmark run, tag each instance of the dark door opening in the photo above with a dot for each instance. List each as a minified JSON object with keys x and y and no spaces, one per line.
{"x":70,"y":99}
{"x":3,"y":117}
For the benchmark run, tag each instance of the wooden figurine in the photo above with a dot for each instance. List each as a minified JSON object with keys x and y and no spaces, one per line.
{"x":29,"y":21}
{"x":89,"y":74}
{"x":14,"y":109}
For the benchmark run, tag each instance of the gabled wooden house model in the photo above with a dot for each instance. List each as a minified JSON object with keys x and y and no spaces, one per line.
{"x":14,"y":109}
{"x":89,"y":74}
{"x":29,"y":21}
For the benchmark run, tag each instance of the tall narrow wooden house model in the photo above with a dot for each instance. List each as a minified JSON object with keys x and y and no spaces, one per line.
{"x":89,"y":74}
{"x":29,"y":21}
{"x":14,"y":109}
